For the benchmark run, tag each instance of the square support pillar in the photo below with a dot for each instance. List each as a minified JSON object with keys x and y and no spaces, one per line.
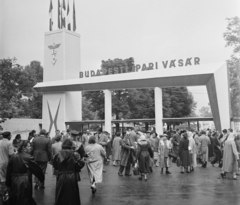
{"x":158,"y":110}
{"x":108,"y":111}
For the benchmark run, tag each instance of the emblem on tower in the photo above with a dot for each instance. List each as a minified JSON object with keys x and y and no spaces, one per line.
{"x":54,"y":51}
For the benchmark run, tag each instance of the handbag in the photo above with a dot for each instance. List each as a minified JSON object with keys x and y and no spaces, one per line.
{"x":171,"y":155}
{"x":178,"y":162}
{"x":135,"y":169}
{"x":81,"y":163}
{"x":7,"y":198}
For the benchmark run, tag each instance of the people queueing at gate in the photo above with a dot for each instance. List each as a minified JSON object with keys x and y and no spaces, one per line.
{"x":189,"y":148}
{"x":93,"y":158}
{"x":19,"y":175}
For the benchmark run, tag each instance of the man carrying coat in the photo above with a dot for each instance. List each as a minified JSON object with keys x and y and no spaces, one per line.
{"x":41,"y":151}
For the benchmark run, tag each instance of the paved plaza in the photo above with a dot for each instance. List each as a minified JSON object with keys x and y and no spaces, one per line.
{"x":202,"y":187}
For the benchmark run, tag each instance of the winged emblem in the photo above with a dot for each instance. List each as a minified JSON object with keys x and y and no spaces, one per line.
{"x":54,"y":51}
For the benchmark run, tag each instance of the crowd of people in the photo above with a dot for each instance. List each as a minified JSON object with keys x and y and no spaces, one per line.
{"x":68,"y":152}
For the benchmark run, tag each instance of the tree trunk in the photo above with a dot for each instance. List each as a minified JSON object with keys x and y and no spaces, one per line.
{"x":146,"y":126}
{"x":117,"y":127}
{"x":117,"y":124}
{"x":168,"y":126}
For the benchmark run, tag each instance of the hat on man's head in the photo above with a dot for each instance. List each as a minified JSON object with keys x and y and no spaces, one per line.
{"x":43,"y":132}
{"x":6,"y":134}
{"x":74,"y":132}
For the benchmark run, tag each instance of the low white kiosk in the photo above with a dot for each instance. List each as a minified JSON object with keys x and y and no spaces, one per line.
{"x":62,"y":86}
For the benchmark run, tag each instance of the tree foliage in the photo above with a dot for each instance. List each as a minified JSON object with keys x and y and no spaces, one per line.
{"x":232,"y":37}
{"x":205,"y":111}
{"x":17,"y":97}
{"x":117,"y":66}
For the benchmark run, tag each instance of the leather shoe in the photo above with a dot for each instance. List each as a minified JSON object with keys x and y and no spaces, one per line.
{"x":94,"y":189}
{"x":223,"y":175}
{"x":128,"y":175}
{"x":167,"y":172}
{"x":120,"y":174}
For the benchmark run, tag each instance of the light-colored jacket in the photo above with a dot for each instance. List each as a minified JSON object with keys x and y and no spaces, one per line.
{"x":6,"y":150}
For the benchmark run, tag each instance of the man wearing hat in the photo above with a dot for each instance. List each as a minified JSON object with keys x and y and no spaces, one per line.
{"x":78,"y":146}
{"x":41,"y":150}
{"x":6,"y":150}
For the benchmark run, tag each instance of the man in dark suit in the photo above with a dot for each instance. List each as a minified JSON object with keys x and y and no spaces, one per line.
{"x":41,"y":151}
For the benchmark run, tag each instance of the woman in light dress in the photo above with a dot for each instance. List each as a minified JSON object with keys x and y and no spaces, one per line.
{"x":193,"y":151}
{"x":164,"y":148}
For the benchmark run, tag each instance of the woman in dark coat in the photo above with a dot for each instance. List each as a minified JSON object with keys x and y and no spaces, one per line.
{"x":19,"y":175}
{"x":217,"y":150}
{"x":210,"y":146}
{"x":68,"y":165}
{"x":144,"y":152}
{"x":184,"y":154}
{"x":175,"y":142}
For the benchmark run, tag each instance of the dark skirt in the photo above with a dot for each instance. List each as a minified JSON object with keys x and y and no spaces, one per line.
{"x":21,"y":188}
{"x":185,"y":158}
{"x":144,"y":162}
{"x":67,"y":191}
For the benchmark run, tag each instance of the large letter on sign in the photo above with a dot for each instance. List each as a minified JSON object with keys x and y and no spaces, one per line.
{"x":80,"y":74}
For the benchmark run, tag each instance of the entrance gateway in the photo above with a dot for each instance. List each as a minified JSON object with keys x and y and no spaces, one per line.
{"x":61,"y":86}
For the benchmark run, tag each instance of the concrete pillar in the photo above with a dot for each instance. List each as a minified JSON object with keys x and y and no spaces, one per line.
{"x":108,"y":111}
{"x":158,"y":110}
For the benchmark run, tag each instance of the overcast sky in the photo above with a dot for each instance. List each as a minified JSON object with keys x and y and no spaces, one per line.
{"x":147,"y":30}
